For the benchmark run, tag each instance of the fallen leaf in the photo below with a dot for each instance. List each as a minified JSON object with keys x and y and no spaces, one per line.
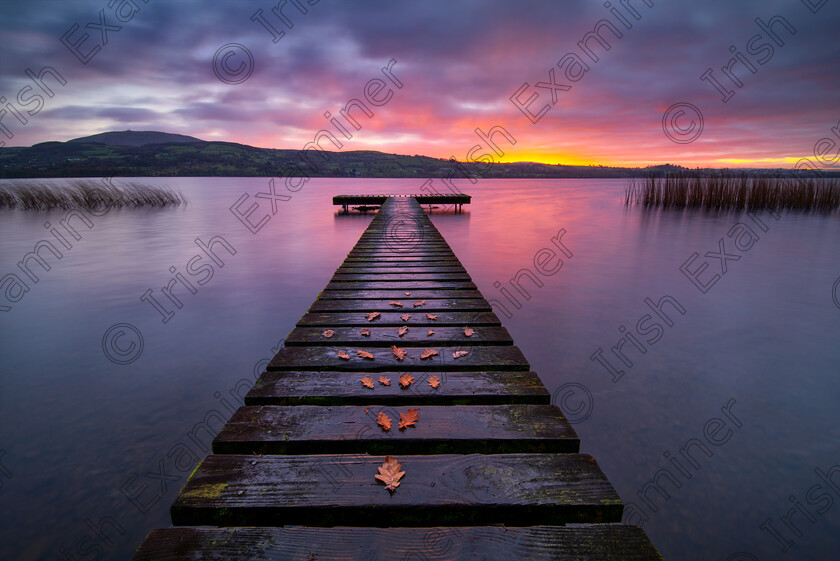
{"x":434,"y":381}
{"x":408,"y":293}
{"x":364,"y":354}
{"x":406,"y":317}
{"x":372,"y":316}
{"x":469,"y":332}
{"x":397,"y":304}
{"x":342,"y":354}
{"x":458,"y":354}
{"x":390,"y":474}
{"x":402,"y":330}
{"x":409,"y":418}
{"x":367,"y":382}
{"x":406,"y":380}
{"x":431,"y":332}
{"x":428,"y":353}
{"x":431,"y":317}
{"x":365,"y":332}
{"x":328,"y":333}
{"x":383,"y":420}
{"x":384,"y":381}
{"x":366,"y":410}
{"x":398,"y":352}
{"x":418,"y":303}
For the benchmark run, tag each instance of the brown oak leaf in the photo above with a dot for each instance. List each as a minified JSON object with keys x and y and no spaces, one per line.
{"x":469,"y":332}
{"x":397,"y":304}
{"x":343,"y":355}
{"x":458,"y":354}
{"x":364,"y":354}
{"x":418,"y":303}
{"x":328,"y":333}
{"x":431,"y":317}
{"x":398,"y":352}
{"x":434,"y":381}
{"x":365,"y":332}
{"x":384,"y":381}
{"x":372,"y":316}
{"x":406,"y":317}
{"x":383,"y":420}
{"x":431,"y":332}
{"x":402,"y":330}
{"x":390,"y":474}
{"x":367,"y":382}
{"x":406,"y":380}
{"x":409,"y":418}
{"x":408,"y":293}
{"x":428,"y":353}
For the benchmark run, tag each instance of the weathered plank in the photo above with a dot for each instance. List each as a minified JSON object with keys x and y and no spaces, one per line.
{"x":336,"y":490}
{"x":405,"y":260}
{"x":344,"y":388}
{"x":375,"y":270}
{"x":396,"y":294}
{"x":476,"y":429}
{"x":401,"y":285}
{"x":415,"y":337}
{"x":444,"y":319}
{"x":401,"y":276}
{"x":604,"y":542}
{"x":327,"y":359}
{"x":384,"y":305}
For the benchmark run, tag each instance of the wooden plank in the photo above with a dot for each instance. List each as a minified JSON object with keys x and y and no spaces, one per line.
{"x":608,"y":542}
{"x":326,"y":359}
{"x":476,"y":429}
{"x":401,"y":285}
{"x":384,"y":305}
{"x":344,"y":388}
{"x":416,"y":337}
{"x":336,"y":490}
{"x":397,"y":294}
{"x":391,"y":270}
{"x":444,"y":319}
{"x":400,"y":276}
{"x":405,"y":260}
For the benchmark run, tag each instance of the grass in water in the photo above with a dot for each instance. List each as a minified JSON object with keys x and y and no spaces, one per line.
{"x":85,"y":194}
{"x":735,"y":192}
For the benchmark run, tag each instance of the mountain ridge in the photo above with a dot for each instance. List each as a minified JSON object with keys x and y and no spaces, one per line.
{"x":141,"y":154}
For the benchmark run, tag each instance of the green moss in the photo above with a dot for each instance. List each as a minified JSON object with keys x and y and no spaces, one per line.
{"x":213,"y":491}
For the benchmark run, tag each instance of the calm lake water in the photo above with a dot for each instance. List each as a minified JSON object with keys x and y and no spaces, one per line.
{"x":80,"y":434}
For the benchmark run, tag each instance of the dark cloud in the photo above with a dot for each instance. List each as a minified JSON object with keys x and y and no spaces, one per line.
{"x":460,"y":62}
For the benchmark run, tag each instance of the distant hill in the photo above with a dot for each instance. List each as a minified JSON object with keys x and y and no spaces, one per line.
{"x":150,"y":153}
{"x":135,"y":138}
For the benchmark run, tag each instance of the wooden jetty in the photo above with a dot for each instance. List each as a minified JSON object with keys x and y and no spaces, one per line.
{"x":457,"y":199}
{"x":492,"y":469}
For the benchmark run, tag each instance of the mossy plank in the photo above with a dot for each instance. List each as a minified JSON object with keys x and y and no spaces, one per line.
{"x":590,"y":542}
{"x":447,"y":489}
{"x":344,"y":388}
{"x":475,"y":429}
{"x":327,"y":359}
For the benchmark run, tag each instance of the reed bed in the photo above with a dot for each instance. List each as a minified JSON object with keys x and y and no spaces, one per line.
{"x":735,"y":192}
{"x":85,"y":194}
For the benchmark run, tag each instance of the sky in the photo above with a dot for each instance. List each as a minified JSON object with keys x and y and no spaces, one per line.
{"x":232,"y":70}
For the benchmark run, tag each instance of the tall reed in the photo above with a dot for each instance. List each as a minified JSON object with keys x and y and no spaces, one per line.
{"x":86,"y":194}
{"x":734,"y":192}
